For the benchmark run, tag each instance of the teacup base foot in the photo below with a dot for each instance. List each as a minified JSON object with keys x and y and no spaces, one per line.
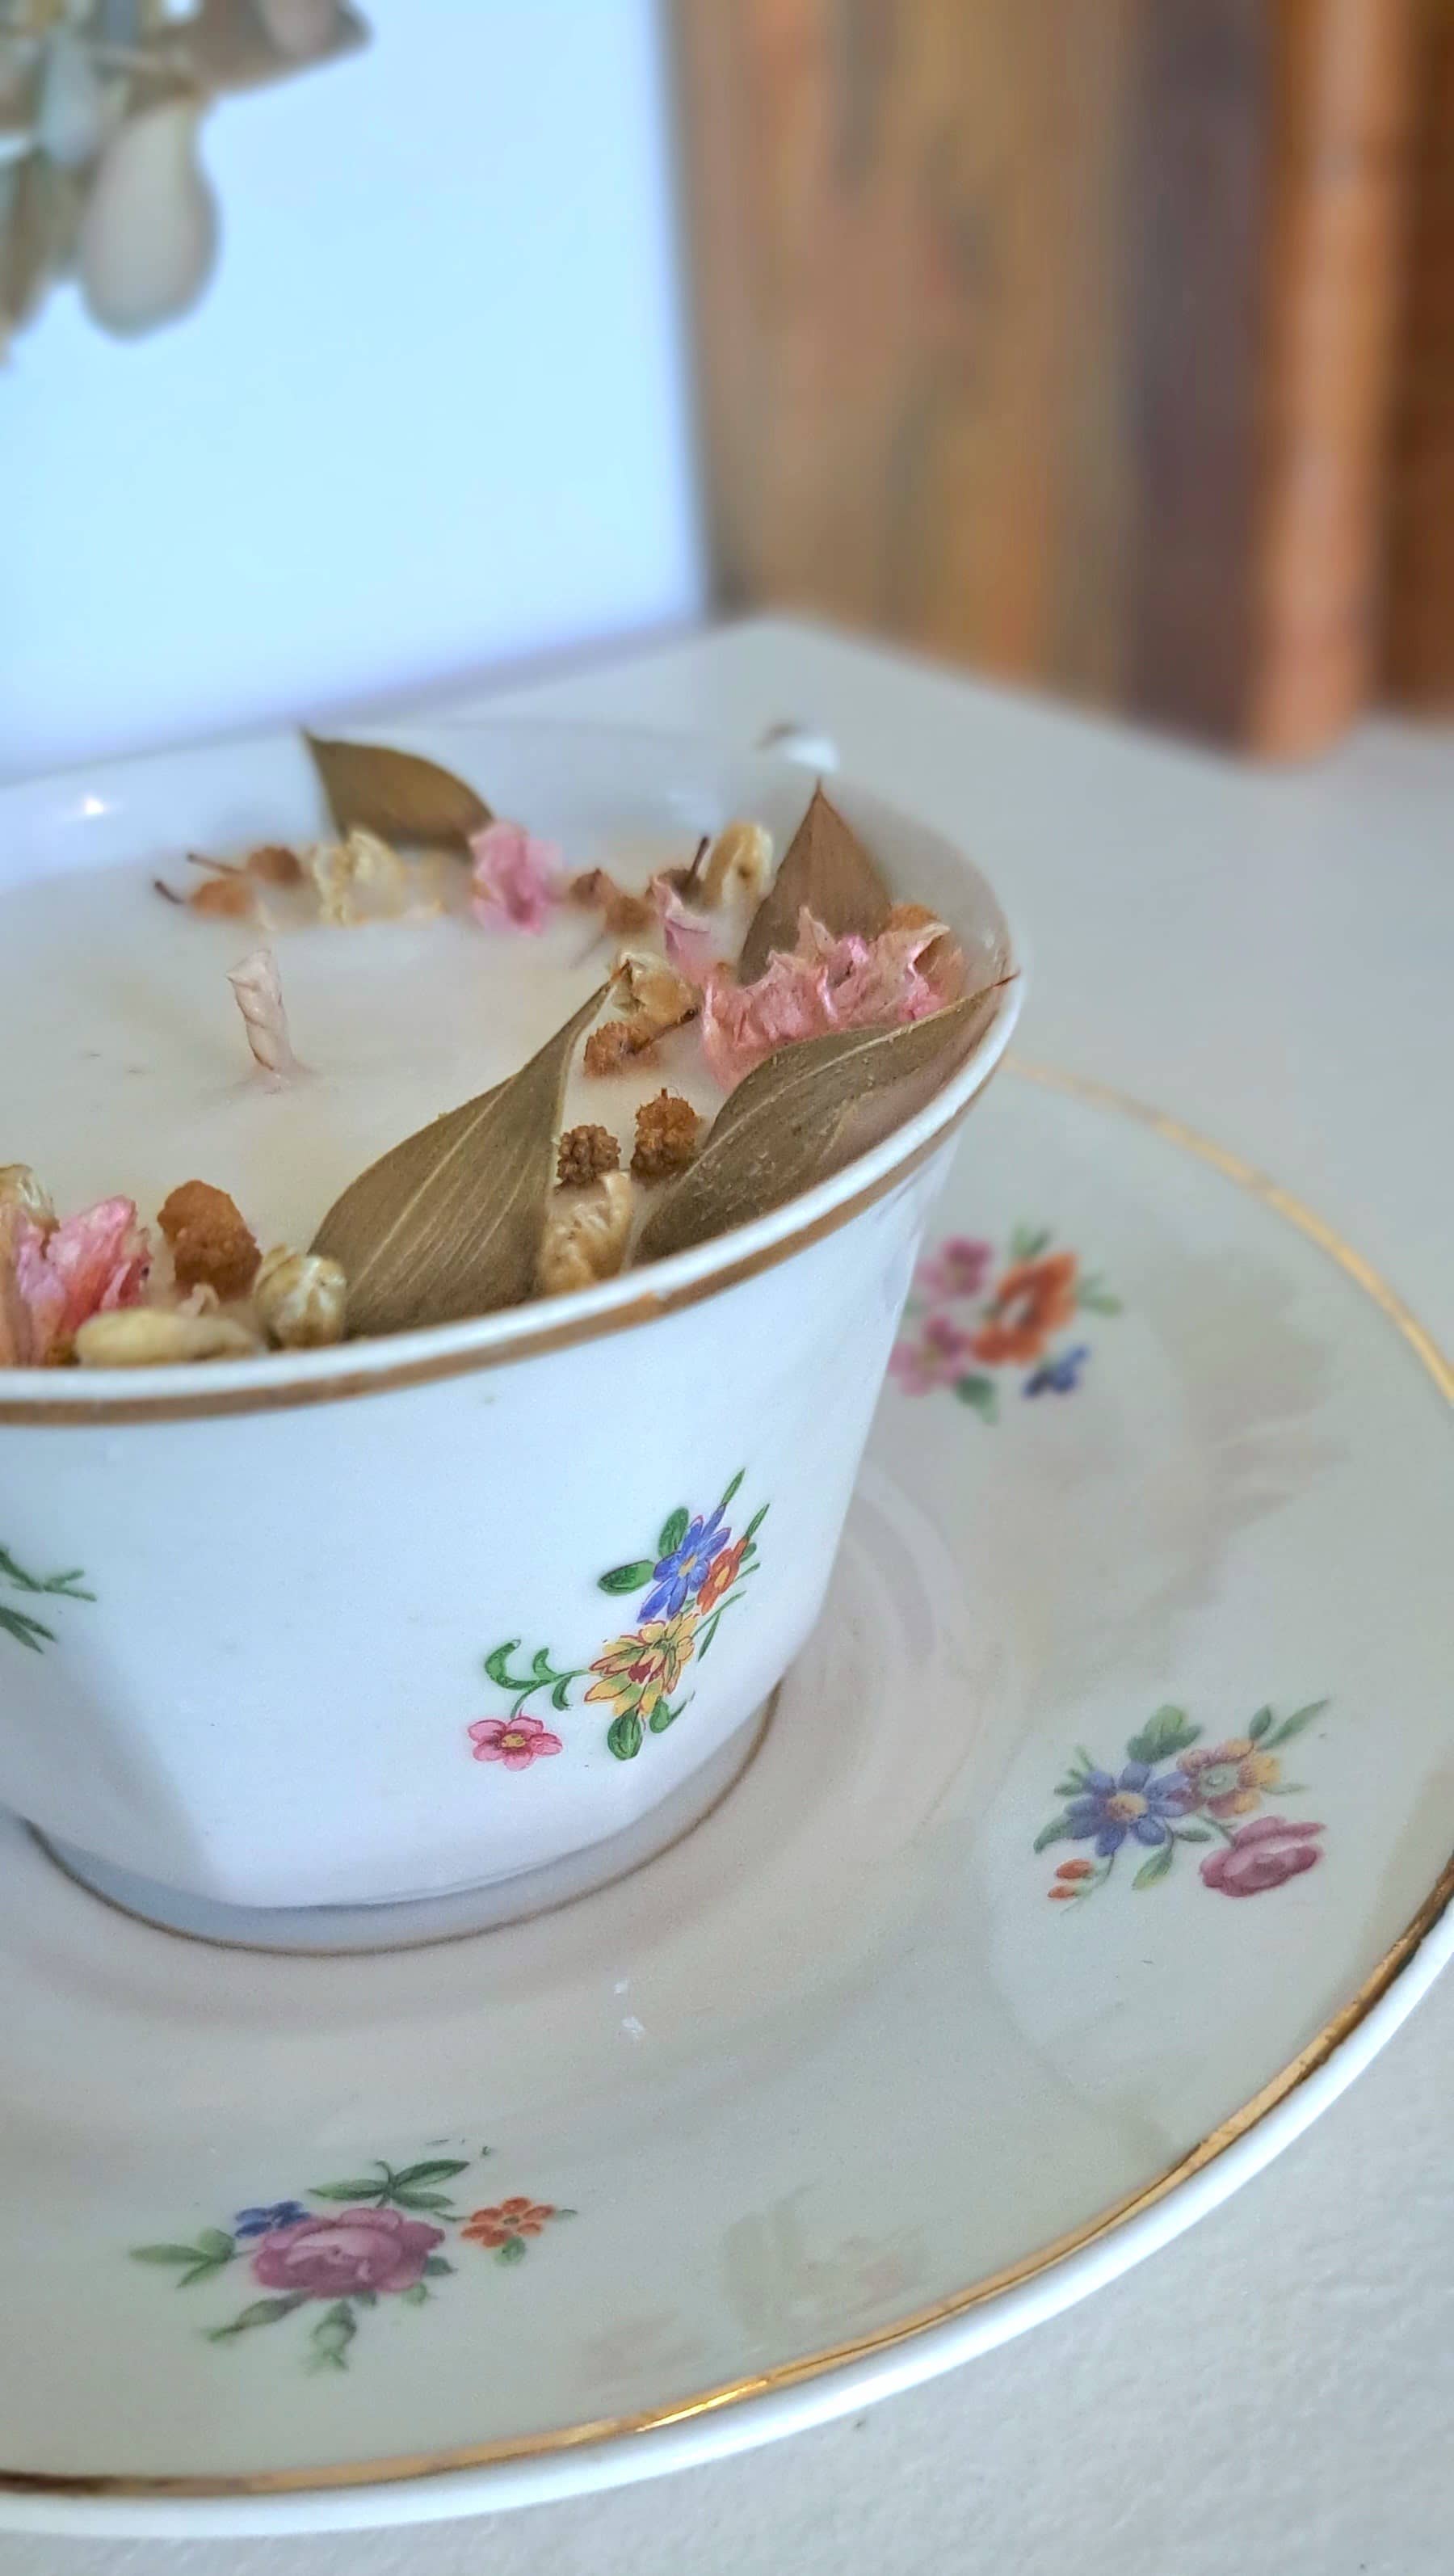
{"x":408,"y":1923}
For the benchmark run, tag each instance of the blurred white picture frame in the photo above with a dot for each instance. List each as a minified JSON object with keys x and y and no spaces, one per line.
{"x":430,"y":414}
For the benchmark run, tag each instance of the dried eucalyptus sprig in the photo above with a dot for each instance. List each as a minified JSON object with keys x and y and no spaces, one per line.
{"x":802,"y":1115}
{"x":449,"y":1224}
{"x":396,"y":794}
{"x":828,"y":872}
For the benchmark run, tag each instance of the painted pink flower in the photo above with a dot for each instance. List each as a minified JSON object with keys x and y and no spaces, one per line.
{"x":94,"y":1262}
{"x":822,"y":985}
{"x":941,"y":1354}
{"x":515,"y":1741}
{"x":517,"y":879}
{"x":959,"y":1268}
{"x":1261,"y":1855}
{"x":348,"y":2251}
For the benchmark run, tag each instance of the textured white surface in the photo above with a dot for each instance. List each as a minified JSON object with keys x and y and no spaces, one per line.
{"x":1267,"y":955}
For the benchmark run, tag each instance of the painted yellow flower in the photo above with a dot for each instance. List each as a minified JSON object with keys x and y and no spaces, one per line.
{"x":644,"y":1667}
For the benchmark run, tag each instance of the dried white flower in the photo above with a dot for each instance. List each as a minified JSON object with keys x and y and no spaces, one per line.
{"x":645,"y":987}
{"x":302,"y":1299}
{"x":157,"y":1337}
{"x":343,"y":871}
{"x":258,"y":989}
{"x":19,"y":1188}
{"x":586,"y":1234}
{"x":738,"y":865}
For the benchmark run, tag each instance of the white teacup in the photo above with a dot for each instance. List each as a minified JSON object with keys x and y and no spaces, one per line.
{"x":422,"y":1633}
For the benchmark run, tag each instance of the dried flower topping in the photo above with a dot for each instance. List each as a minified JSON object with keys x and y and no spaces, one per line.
{"x":739,"y":864}
{"x":691,"y":942}
{"x":346,"y":873}
{"x":823,"y":986}
{"x":213,"y":1245}
{"x":621,"y":913}
{"x":275,"y":864}
{"x":647,"y":988}
{"x":585,"y":1153}
{"x":258,"y":990}
{"x":586,"y":1234}
{"x":302,"y":1299}
{"x":20,"y":1188}
{"x":617,"y":1042}
{"x":227,"y":896}
{"x":517,"y":878}
{"x":93,"y":1263}
{"x":666,"y":1137}
{"x":158,"y":1337}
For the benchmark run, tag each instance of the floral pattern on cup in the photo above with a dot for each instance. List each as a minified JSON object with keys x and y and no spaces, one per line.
{"x":696,"y":1572}
{"x":973,"y":1318}
{"x":1171,"y":1790}
{"x":377,"y":2237}
{"x":505,"y":2229}
{"x":23,"y":1625}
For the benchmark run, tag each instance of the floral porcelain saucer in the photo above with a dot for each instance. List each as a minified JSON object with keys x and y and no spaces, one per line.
{"x":1096,"y":1839}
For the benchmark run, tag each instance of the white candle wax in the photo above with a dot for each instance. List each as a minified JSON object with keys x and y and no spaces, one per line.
{"x":124,"y":1067}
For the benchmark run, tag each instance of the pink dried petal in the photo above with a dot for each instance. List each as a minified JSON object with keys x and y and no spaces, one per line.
{"x":824,"y":984}
{"x":689,"y":938}
{"x":517,"y":879}
{"x":92,"y":1264}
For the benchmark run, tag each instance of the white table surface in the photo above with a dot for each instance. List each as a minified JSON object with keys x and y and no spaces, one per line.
{"x":1271,"y":956}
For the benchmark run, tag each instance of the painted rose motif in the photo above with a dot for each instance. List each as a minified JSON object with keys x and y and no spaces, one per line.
{"x":1169,"y":1791}
{"x":964,"y":1332}
{"x":380,"y":2243}
{"x":695,"y":1573}
{"x":360,"y":2249}
{"x":1261,"y":1855}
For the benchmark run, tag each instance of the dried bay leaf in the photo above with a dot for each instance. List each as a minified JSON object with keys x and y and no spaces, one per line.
{"x":804,"y":1113}
{"x":449,"y":1223}
{"x":827,"y":868}
{"x":396,"y":794}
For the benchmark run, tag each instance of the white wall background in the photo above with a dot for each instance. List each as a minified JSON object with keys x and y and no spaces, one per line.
{"x":431,"y":413}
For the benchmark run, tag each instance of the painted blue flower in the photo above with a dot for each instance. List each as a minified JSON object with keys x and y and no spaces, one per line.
{"x":1058,"y":1376}
{"x":679,"y":1577}
{"x":1112,"y":1808}
{"x":258,"y":2222}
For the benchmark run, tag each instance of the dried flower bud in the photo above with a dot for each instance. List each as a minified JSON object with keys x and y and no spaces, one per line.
{"x":228,"y":898}
{"x":213,"y":1245}
{"x":647,"y":988}
{"x":302,"y":1298}
{"x":342,"y":871}
{"x":738,"y":866}
{"x":154,"y":1337}
{"x":585,"y":1153}
{"x":942,"y":962}
{"x":586,"y":1234}
{"x":616,"y":1042}
{"x":666,"y":1136}
{"x":19,"y":1188}
{"x":596,"y":890}
{"x":274,"y":864}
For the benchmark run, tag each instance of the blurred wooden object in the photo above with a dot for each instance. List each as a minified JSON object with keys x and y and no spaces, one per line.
{"x":1054,"y":335}
{"x":1421,"y":504}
